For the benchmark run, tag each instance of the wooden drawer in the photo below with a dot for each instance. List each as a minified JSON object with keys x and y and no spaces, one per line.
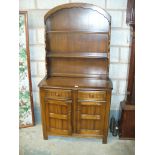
{"x":92,"y":95}
{"x":56,"y":93}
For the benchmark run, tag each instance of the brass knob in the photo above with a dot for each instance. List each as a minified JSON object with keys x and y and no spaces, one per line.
{"x":91,"y":95}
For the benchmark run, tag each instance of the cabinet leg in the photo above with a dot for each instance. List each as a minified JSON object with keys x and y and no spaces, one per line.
{"x":45,"y":136}
{"x":105,"y":137}
{"x":104,"y":140}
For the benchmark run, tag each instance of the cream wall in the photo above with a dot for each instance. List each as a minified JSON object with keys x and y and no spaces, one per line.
{"x":120,"y":40}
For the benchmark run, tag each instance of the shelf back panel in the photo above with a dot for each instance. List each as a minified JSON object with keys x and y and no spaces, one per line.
{"x":76,"y":42}
{"x":73,"y":66}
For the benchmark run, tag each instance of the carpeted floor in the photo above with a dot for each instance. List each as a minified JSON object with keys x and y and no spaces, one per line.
{"x":32,"y":143}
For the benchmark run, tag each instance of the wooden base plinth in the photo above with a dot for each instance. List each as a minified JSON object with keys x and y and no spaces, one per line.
{"x":127,"y":121}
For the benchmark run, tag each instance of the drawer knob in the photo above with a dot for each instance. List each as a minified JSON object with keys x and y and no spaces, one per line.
{"x":57,"y":94}
{"x":91,"y":95}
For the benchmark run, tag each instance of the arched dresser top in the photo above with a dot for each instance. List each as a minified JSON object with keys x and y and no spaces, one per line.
{"x":77,"y":16}
{"x":78,"y":5}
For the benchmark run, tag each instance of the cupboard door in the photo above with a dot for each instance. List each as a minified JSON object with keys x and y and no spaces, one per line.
{"x":91,"y":116}
{"x":58,"y":116}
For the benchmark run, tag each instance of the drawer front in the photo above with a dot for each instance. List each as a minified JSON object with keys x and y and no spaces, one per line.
{"x":55,"y":93}
{"x":92,"y":95}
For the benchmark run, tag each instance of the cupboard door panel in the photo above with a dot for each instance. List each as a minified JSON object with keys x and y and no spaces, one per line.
{"x":58,"y":116}
{"x":91,"y":116}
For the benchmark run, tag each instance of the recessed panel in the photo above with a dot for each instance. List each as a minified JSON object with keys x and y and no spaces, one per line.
{"x":76,"y":42}
{"x":77,"y":66}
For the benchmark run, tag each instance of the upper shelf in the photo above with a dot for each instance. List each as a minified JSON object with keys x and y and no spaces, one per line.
{"x":75,"y":31}
{"x":77,"y":55}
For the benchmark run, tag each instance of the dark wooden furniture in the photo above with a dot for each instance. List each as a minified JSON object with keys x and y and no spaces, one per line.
{"x":127,"y":119}
{"x":76,"y":92}
{"x":127,"y":125}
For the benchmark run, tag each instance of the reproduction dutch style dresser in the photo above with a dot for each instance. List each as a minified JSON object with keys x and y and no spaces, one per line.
{"x":75,"y":94}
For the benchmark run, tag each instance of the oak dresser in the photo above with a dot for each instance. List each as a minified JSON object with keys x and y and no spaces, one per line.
{"x":75,"y":94}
